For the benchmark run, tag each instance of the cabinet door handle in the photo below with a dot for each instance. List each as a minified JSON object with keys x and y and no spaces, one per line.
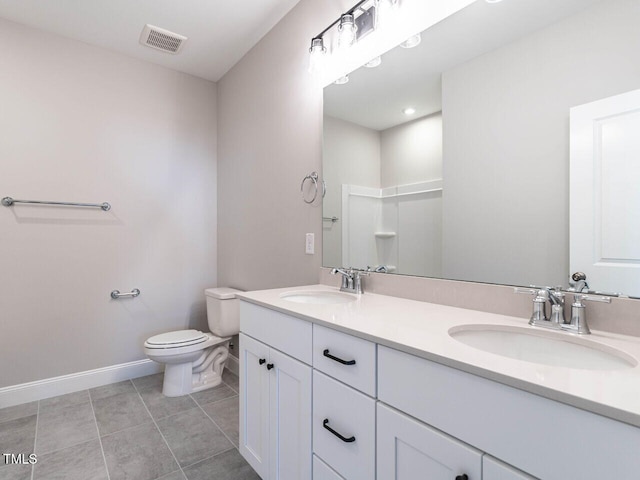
{"x":339,"y":360}
{"x":269,"y":366}
{"x":261,"y":361}
{"x":325,"y":424}
{"x":462,"y":477}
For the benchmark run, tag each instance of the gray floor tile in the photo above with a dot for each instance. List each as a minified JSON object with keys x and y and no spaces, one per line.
{"x":120,"y":411}
{"x":63,"y":401}
{"x":63,"y":427}
{"x":192,"y":436}
{"x":226,"y":414}
{"x":18,"y":424}
{"x":174,"y":476}
{"x":138,"y":453}
{"x":19,"y":411}
{"x":15,"y":472}
{"x":227,"y":466}
{"x":80,"y":462}
{"x":17,"y":441}
{"x":149,"y":381}
{"x":231,"y":379}
{"x":161,"y":406}
{"x":111,"y":390}
{"x":214,"y":394}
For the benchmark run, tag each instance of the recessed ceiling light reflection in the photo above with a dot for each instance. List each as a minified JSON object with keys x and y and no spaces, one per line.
{"x":409,"y":111}
{"x":342,"y":80}
{"x":374,"y":62}
{"x":412,"y":41}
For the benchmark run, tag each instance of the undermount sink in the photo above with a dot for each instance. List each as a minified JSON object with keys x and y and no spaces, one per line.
{"x":544,"y":347}
{"x":318,"y":297}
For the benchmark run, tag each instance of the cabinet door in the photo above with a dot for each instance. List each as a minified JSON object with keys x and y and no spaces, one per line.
{"x":254,"y":404}
{"x":408,"y":449}
{"x":290,"y":418}
{"x":493,"y":469}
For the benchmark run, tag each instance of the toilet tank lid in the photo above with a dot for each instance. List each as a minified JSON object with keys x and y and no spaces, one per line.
{"x":222,"y":293}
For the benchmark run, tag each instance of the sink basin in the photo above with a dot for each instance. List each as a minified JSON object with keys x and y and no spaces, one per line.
{"x":545,"y":347}
{"x":318,"y":297}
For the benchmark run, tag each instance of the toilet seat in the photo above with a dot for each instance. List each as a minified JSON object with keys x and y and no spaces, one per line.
{"x":176,"y":339}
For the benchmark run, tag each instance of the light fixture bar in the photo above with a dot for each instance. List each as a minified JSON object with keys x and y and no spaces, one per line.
{"x":349,"y":12}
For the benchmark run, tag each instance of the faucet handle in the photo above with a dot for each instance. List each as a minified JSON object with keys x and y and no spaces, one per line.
{"x":529,"y":291}
{"x":579,"y":299}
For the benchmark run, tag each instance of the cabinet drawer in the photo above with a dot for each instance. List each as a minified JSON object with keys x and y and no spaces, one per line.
{"x":350,"y":414}
{"x":331,"y":348}
{"x":278,"y":330}
{"x":321,"y":471}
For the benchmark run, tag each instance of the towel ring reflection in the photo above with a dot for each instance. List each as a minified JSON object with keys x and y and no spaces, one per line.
{"x":313,"y":176}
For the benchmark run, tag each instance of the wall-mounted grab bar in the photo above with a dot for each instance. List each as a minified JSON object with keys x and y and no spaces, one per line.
{"x":8,"y":202}
{"x":133,"y":293}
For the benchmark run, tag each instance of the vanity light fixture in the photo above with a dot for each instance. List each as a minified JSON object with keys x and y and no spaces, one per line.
{"x":342,"y":80}
{"x":412,"y":41}
{"x":409,"y":111}
{"x":374,"y":62}
{"x":384,"y":11}
{"x":353,"y":24}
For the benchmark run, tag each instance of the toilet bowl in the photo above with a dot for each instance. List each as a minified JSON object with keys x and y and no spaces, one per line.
{"x":195,"y":360}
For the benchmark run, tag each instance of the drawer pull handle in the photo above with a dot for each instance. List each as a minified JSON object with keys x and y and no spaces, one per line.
{"x":339,"y":360}
{"x":269,"y":366}
{"x":261,"y":361}
{"x":462,"y":477}
{"x":325,"y":424}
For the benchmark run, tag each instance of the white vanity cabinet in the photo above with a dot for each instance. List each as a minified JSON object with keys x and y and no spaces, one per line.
{"x":275,"y":394}
{"x":344,"y":405}
{"x":408,"y":449}
{"x":493,"y":469}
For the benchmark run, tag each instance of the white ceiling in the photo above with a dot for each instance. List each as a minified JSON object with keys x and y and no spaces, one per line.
{"x":375,"y":97}
{"x":219,"y":32}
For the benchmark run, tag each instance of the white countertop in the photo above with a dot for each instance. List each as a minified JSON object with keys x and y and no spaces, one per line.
{"x":421,"y":329}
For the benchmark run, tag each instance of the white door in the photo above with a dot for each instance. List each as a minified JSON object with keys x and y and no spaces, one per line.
{"x":408,"y":450}
{"x":493,"y":469}
{"x":254,"y":404}
{"x":605,"y":193}
{"x":290,"y":418}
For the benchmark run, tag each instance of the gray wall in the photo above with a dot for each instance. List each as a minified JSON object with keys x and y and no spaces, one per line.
{"x":506,"y":208}
{"x":80,"y":123}
{"x":270,"y":137}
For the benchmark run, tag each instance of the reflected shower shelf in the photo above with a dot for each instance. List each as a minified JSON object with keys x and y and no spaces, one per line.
{"x":384,"y":234}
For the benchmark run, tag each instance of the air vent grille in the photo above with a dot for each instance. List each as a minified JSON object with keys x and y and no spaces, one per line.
{"x":162,"y":39}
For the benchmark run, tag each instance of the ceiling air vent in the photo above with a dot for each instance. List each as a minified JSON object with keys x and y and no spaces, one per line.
{"x":161,"y":39}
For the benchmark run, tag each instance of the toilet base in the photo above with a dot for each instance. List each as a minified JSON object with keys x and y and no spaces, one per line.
{"x":201,"y":374}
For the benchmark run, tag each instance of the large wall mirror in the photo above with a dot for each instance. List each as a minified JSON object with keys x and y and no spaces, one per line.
{"x":510,"y":104}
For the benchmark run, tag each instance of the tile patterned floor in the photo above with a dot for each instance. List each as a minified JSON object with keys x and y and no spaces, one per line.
{"x":127,"y":431}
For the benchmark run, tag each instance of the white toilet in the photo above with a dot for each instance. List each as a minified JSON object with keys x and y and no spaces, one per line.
{"x":195,"y":360}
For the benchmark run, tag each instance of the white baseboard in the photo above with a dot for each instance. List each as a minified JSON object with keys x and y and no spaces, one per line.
{"x":51,"y":387}
{"x":233,"y":365}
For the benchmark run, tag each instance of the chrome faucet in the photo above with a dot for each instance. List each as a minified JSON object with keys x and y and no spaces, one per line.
{"x":557,"y":321}
{"x":351,"y":279}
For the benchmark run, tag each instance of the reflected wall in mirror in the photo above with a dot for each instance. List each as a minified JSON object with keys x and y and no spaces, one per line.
{"x":475,"y":184}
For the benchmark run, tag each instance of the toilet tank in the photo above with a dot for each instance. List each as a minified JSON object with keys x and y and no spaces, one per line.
{"x":223,"y":311}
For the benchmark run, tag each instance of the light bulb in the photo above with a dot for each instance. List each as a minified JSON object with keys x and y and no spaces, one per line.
{"x":409,"y":111}
{"x":346,"y":31}
{"x":317,"y":55}
{"x":385,"y":10}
